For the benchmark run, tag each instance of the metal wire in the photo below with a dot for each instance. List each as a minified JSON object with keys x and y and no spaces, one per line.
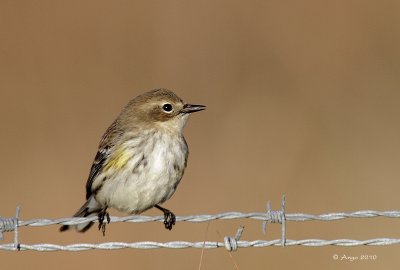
{"x":230,"y":243}
{"x":221,"y":216}
{"x":206,"y":245}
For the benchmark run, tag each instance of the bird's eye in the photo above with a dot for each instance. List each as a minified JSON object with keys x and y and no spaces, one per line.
{"x":167,"y":107}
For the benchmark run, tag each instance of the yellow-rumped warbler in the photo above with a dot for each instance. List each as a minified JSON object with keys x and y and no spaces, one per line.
{"x":140,"y":160}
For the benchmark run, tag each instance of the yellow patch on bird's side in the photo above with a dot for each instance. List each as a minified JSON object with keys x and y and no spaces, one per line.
{"x":118,"y":160}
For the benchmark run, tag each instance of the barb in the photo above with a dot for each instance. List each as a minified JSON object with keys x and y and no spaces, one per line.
{"x":9,"y":225}
{"x":276,"y":217}
{"x":231,"y":243}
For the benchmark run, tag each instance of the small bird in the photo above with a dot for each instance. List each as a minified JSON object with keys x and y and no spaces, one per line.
{"x":140,"y":160}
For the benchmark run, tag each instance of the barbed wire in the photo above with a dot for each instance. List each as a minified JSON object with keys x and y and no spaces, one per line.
{"x":220,"y":216}
{"x":230,"y":243}
{"x":206,"y":245}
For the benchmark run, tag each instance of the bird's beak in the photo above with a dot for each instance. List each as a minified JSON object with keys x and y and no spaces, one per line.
{"x":190,"y":108}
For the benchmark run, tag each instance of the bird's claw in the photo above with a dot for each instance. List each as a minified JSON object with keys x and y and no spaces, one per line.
{"x":169,"y":220}
{"x":102,"y":225}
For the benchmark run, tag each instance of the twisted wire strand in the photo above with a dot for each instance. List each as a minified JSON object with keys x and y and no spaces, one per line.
{"x":221,"y":216}
{"x":207,"y":245}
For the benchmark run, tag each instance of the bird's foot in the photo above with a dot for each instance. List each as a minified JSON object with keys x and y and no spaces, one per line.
{"x":169,"y":218}
{"x":102,"y":225}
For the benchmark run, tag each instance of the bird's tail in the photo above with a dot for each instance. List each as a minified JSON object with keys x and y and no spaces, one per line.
{"x":90,"y":208}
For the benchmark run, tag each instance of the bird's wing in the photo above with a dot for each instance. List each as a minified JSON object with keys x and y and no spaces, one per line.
{"x":106,"y":143}
{"x":97,"y":166}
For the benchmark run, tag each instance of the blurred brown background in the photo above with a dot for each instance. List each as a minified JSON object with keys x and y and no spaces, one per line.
{"x":302,"y":96}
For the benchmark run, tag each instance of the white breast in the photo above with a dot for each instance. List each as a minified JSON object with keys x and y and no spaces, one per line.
{"x":150,"y":177}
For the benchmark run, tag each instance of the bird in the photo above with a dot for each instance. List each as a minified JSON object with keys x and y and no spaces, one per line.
{"x":140,"y":160}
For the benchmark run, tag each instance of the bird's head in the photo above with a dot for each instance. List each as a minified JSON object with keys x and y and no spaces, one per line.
{"x":160,"y":108}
